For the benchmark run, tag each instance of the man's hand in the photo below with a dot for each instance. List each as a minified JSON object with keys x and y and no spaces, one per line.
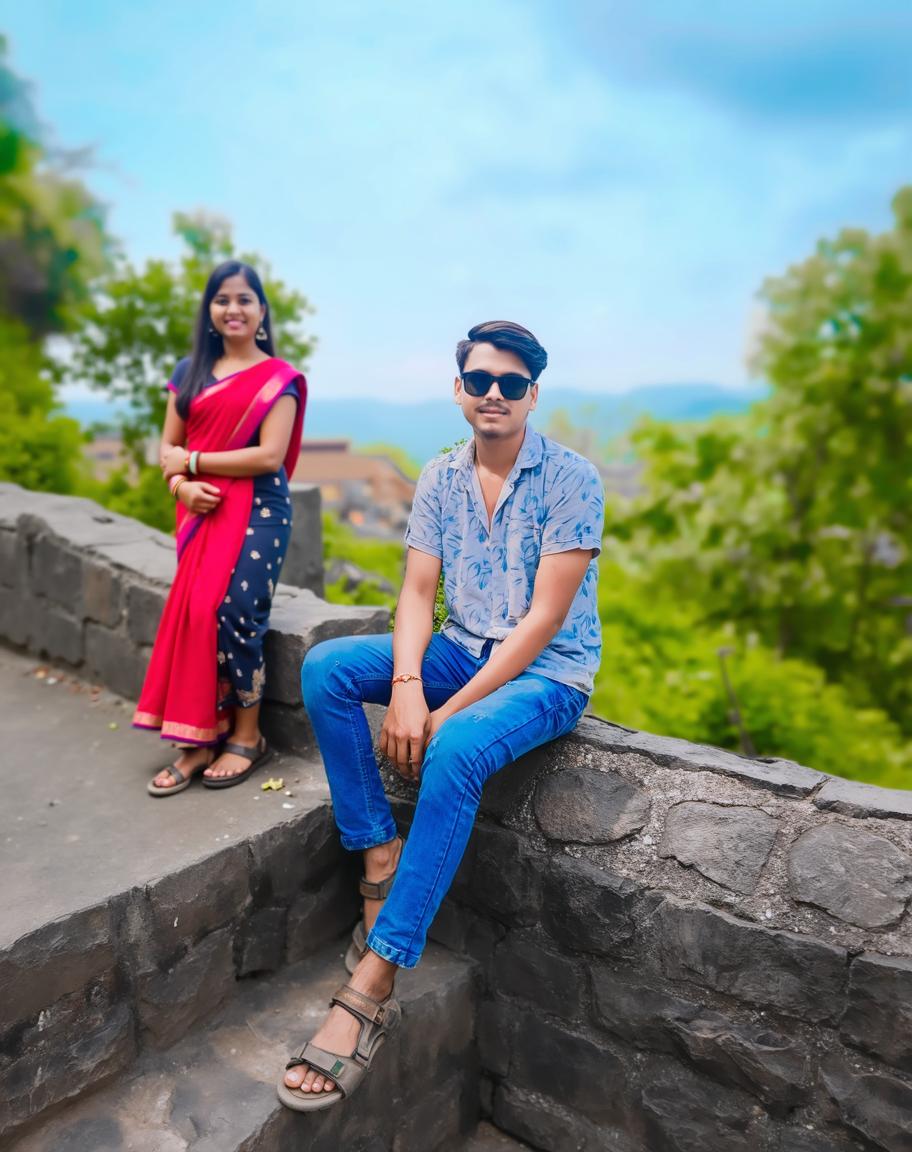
{"x":404,"y":733}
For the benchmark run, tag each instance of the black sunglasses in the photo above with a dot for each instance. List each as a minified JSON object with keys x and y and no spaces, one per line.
{"x":512,"y":386}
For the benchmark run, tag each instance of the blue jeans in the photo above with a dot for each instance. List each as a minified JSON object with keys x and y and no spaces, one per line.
{"x":339,"y":676}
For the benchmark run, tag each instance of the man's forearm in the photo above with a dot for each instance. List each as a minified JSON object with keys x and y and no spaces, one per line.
{"x":528,"y":639}
{"x":413,"y":630}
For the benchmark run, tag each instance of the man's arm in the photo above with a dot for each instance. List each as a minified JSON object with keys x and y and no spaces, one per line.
{"x":404,"y":732}
{"x":556,"y":583}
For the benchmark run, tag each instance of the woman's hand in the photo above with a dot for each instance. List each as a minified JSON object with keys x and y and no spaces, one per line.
{"x":173,"y":462}
{"x":404,"y":732}
{"x":198,"y":496}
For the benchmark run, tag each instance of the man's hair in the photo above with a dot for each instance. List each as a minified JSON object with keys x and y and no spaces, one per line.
{"x":509,"y":337}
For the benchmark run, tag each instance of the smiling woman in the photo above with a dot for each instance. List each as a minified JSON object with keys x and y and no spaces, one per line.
{"x":232,"y":432}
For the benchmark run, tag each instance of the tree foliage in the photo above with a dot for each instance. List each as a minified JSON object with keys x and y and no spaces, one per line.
{"x":795,"y":522}
{"x":52,"y":243}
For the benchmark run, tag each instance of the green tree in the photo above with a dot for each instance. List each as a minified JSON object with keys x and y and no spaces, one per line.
{"x":52,"y":243}
{"x":795,"y":522}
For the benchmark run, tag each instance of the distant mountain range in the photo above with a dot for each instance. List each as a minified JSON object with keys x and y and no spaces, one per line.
{"x":423,"y":429}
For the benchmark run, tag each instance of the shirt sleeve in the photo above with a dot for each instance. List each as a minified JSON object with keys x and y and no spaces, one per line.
{"x":576,"y":510}
{"x":424,"y":530}
{"x":177,"y":376}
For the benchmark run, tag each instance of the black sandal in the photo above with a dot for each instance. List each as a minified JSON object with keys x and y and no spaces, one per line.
{"x":183,"y":780}
{"x":257,"y":757}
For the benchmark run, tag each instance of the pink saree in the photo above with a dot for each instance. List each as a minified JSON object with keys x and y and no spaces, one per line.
{"x":180,"y":692}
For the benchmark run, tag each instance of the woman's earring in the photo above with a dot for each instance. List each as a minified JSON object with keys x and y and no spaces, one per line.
{"x":261,"y":332}
{"x":212,"y":331}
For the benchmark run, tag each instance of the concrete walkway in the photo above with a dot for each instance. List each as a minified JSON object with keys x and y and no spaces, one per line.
{"x":76,"y":823}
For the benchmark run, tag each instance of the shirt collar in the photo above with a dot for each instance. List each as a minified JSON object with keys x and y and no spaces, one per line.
{"x":530,"y":454}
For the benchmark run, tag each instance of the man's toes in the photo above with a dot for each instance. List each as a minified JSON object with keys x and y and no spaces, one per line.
{"x":294,"y":1076}
{"x":318,"y":1083}
{"x":328,"y":1085}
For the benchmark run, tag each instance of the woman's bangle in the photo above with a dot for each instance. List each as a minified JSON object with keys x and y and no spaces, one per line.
{"x":176,"y":488}
{"x":174,"y":481}
{"x":404,"y":678}
{"x":193,"y":463}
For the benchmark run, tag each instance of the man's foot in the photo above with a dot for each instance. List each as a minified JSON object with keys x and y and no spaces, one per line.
{"x":339,"y":1033}
{"x":379,"y":864}
{"x":229,"y":763}
{"x":190,"y":762}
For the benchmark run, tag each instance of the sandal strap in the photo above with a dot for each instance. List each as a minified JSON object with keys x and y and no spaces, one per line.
{"x":250,"y":754}
{"x":376,"y":889}
{"x":176,"y":773}
{"x":366,"y":1009}
{"x":344,"y":1071}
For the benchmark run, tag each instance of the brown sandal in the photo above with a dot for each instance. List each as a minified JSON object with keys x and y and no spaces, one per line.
{"x":379,"y":1018}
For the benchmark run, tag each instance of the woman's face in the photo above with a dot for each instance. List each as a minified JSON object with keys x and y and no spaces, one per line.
{"x":236,"y":312}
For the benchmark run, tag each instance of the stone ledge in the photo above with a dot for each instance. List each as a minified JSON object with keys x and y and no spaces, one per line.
{"x":852,"y":798}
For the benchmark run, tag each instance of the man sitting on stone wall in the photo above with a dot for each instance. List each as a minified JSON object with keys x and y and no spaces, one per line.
{"x":514,"y":521}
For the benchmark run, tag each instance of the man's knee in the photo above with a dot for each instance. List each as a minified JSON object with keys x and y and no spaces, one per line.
{"x":454,"y":763}
{"x":323,"y":668}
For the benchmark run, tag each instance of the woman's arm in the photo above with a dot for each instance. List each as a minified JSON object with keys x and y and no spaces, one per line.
{"x":267,"y":456}
{"x":174,"y":433}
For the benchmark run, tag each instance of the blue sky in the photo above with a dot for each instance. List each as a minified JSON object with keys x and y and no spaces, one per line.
{"x":618,"y":176}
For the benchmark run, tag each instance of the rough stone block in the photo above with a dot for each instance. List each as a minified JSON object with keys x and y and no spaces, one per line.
{"x":16,"y":615}
{"x":145,"y":605}
{"x":780,"y":776}
{"x":547,"y":980}
{"x":854,"y":875}
{"x":298,"y":622}
{"x":54,"y":633}
{"x":772,"y":1067}
{"x":879,"y":1016}
{"x":185,"y":905}
{"x":727,"y":844}
{"x":546,"y":1125}
{"x":636,"y":1012}
{"x":811,"y":1140}
{"x":497,"y":1022}
{"x":173,"y":1000}
{"x":61,"y":957}
{"x":303,"y":566}
{"x":686,"y":1113}
{"x":262,"y":942}
{"x":151,"y":555}
{"x":437,"y":1119}
{"x":587,"y":806}
{"x":505,"y":876}
{"x":287,"y":727}
{"x":79,"y":1042}
{"x":801,"y":976}
{"x":315,"y":918}
{"x":876,"y":1106}
{"x":10,"y":556}
{"x":852,"y":798}
{"x":581,"y":1075}
{"x":299,"y":855}
{"x":586,"y":908}
{"x":56,"y":572}
{"x":102,"y":597}
{"x":114,"y":660}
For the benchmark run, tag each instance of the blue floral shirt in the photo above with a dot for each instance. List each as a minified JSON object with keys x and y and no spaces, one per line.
{"x":552,"y":502}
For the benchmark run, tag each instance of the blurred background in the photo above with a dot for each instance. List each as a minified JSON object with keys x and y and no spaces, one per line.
{"x":703,"y":210}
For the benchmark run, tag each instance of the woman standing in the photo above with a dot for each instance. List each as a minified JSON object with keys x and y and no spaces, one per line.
{"x":231,"y":438}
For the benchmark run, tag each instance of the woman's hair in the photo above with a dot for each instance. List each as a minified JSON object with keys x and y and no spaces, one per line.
{"x":208,"y":345}
{"x":509,"y":337}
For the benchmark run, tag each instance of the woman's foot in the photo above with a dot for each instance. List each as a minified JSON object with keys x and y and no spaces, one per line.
{"x":229,"y":763}
{"x":339,"y":1034}
{"x":190,"y":762}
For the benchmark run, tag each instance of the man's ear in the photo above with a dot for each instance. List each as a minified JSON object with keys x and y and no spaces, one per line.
{"x":533,"y":392}
{"x":457,"y":390}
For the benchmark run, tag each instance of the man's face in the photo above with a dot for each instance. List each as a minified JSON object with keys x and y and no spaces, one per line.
{"x":491,"y":416}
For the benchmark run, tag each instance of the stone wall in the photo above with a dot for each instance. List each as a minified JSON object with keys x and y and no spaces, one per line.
{"x":684,"y":950}
{"x":85,"y":587}
{"x":680,"y":949}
